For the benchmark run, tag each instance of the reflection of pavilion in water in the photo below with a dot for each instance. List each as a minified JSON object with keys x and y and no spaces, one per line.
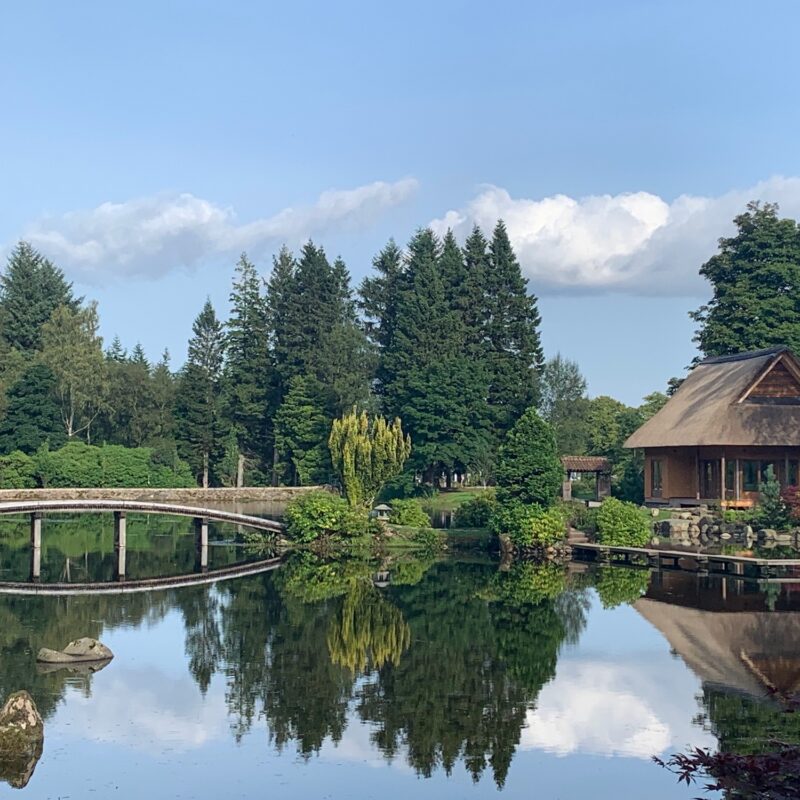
{"x":733,"y":636}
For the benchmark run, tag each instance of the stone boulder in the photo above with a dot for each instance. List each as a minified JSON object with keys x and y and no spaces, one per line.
{"x":84,"y":649}
{"x":21,"y":739}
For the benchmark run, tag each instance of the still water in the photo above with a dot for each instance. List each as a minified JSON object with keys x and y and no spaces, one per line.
{"x":387,"y":679}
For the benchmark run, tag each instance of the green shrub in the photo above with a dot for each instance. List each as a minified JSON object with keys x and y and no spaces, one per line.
{"x":580,"y":516}
{"x":427,"y":539}
{"x":772,"y":511}
{"x":528,"y":467}
{"x":410,"y":513}
{"x":317,"y":514}
{"x":528,"y":526}
{"x":621,"y":585}
{"x":17,"y":471}
{"x":622,"y":524}
{"x":475,"y":513}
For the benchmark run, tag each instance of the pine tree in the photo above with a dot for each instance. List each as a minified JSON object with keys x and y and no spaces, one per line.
{"x":428,"y":381}
{"x":31,"y":289}
{"x":511,"y":335}
{"x":755,"y":279}
{"x":301,"y":433}
{"x":247,"y":368}
{"x":200,"y":431}
{"x":378,"y":295}
{"x":163,"y":402}
{"x":33,"y":416}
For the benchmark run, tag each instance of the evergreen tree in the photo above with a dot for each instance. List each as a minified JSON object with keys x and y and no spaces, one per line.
{"x":301,"y":433}
{"x":428,"y":381}
{"x":33,"y":416}
{"x":528,"y":468}
{"x":247,"y":367}
{"x":31,"y":289}
{"x":511,"y":334}
{"x":564,"y":405}
{"x":378,"y":295}
{"x":163,"y":402}
{"x":200,"y":432}
{"x":755,"y":280}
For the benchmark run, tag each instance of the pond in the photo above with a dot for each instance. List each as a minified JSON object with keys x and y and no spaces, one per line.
{"x":440,"y":678}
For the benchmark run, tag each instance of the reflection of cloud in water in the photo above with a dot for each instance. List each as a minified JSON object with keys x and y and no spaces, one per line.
{"x":146,"y":710}
{"x":614,"y":709}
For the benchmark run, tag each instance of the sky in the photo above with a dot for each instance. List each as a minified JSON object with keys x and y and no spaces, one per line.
{"x":145,"y":145}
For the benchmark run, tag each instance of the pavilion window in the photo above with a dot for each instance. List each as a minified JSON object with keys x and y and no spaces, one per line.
{"x":730,"y":478}
{"x":751,"y":475}
{"x":792,"y":477}
{"x":656,"y":477}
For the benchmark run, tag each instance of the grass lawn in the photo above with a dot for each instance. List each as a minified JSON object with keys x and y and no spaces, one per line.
{"x":451,"y":500}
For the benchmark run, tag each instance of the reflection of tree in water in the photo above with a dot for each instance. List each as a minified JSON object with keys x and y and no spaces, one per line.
{"x":474,"y":669}
{"x":368,"y":630}
{"x":29,"y":623}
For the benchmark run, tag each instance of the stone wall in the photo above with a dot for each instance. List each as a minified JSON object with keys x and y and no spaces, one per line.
{"x":267,"y":494}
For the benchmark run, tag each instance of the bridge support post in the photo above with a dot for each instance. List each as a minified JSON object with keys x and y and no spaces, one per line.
{"x":36,"y":545}
{"x":201,"y":541}
{"x":120,"y":542}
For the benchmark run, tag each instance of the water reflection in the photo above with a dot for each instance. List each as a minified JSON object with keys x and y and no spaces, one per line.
{"x":430,"y":664}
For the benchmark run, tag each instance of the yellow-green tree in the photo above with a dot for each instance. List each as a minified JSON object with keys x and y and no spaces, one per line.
{"x":367,"y":453}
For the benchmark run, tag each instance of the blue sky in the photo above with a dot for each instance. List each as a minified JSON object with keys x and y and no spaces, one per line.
{"x":144,"y":145}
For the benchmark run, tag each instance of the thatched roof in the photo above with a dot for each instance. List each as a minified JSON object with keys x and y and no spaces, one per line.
{"x":720,"y":403}
{"x":751,"y":652}
{"x":585,"y":464}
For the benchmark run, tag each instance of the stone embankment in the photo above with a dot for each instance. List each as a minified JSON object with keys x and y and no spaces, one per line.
{"x":254,"y":494}
{"x":701,"y":527}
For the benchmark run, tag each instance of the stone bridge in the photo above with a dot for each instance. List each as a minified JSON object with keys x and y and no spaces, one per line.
{"x":119,"y":508}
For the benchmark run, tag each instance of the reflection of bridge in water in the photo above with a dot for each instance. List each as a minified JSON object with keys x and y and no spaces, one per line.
{"x":35,"y":509}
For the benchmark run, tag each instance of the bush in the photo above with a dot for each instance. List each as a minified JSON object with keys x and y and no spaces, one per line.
{"x":617,"y":586}
{"x":622,"y":524}
{"x":427,"y":539}
{"x":410,"y":513}
{"x":17,"y":471}
{"x":475,"y":513}
{"x":528,"y":526}
{"x":580,"y":516}
{"x":528,"y":467}
{"x":791,"y":498}
{"x":317,"y":514}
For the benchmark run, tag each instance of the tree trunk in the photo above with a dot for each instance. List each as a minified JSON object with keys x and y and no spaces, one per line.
{"x":205,"y":470}
{"x":240,"y":472}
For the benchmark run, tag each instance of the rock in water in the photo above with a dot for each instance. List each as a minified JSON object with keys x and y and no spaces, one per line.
{"x":21,"y":739}
{"x":84,"y":649}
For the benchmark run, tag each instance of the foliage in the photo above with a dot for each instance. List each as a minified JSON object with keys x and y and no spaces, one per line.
{"x":477,"y":512}
{"x":428,"y":540}
{"x":528,"y":469}
{"x":32,"y":413}
{"x":580,"y":516}
{"x":528,"y":526}
{"x":316,"y":514}
{"x":80,"y":465}
{"x":368,"y":632}
{"x":409,"y":512}
{"x":301,"y":430}
{"x":772,"y":511}
{"x":755,"y":279}
{"x":528,"y":582}
{"x":771,"y":776}
{"x":72,"y":350}
{"x":622,"y":524}
{"x":31,"y":289}
{"x":366,"y":455}
{"x":791,"y":499}
{"x":17,"y":471}
{"x":564,"y":405}
{"x":618,"y":586}
{"x":198,"y":406}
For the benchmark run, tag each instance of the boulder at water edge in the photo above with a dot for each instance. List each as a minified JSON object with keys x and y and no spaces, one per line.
{"x":21,"y":739}
{"x":84,"y":649}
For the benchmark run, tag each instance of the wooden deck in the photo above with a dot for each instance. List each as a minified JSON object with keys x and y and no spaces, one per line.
{"x":670,"y":559}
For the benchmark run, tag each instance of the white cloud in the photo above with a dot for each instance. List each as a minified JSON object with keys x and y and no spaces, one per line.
{"x":615,"y":708}
{"x":150,"y":236}
{"x":636,"y":243}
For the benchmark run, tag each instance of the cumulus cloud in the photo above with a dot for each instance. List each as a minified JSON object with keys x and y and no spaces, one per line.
{"x":150,"y":236}
{"x":634,"y":242}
